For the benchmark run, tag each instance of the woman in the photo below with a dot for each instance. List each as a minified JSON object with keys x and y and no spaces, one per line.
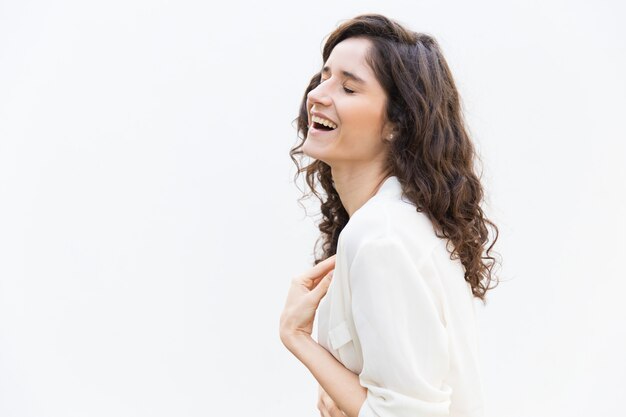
{"x":403,"y":231}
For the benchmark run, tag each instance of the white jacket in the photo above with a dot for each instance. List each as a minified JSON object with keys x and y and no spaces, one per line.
{"x":400,"y":314}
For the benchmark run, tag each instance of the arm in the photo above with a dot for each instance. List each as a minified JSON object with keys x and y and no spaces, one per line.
{"x":341,"y":384}
{"x":403,"y":336}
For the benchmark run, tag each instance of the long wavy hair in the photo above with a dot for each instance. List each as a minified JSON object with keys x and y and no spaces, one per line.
{"x":432,"y":154}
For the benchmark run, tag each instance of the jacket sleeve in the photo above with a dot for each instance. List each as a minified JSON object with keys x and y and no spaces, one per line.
{"x":403,"y":338}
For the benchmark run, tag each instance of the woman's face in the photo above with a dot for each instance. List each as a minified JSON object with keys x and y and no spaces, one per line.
{"x":351,"y":98}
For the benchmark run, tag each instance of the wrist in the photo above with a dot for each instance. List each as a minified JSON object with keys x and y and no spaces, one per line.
{"x":292,"y":339}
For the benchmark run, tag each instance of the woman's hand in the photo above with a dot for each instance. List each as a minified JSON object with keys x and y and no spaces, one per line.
{"x":304,"y":296}
{"x":327,"y":406}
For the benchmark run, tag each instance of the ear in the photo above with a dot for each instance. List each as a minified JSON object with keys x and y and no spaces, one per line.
{"x":390,"y":131}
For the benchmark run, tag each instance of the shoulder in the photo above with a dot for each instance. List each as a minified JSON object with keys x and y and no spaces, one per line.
{"x":391,"y":223}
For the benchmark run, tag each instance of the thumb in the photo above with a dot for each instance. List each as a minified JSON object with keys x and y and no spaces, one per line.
{"x":322,"y":286}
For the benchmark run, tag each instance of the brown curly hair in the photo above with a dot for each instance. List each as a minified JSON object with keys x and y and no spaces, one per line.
{"x":432,"y":155}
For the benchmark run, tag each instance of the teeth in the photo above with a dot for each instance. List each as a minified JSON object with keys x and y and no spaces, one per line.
{"x":325,"y":122}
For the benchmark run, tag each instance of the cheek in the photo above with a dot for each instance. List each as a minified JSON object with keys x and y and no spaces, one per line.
{"x":361,"y":138}
{"x":361,"y":105}
{"x":364,"y":119}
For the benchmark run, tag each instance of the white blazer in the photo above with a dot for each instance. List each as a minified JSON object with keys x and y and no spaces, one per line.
{"x":400,"y":314}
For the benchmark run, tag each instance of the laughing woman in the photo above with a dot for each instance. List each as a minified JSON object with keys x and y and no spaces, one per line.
{"x":404,"y":251}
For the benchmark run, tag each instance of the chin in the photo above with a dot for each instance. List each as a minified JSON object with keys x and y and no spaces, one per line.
{"x":320,"y":150}
{"x":313,"y":151}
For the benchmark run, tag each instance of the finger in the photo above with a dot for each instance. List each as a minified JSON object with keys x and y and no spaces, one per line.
{"x":320,"y":269}
{"x":319,"y":279}
{"x":327,"y":401}
{"x":323,"y":411}
{"x":322,"y":287}
{"x":313,"y":280}
{"x":322,"y":407}
{"x":336,"y":412}
{"x":331,"y":407}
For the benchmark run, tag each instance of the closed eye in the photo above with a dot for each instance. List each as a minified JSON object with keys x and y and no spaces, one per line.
{"x":345,"y":89}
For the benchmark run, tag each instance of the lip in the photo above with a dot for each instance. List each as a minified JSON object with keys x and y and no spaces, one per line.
{"x":322,"y":115}
{"x":314,"y":131}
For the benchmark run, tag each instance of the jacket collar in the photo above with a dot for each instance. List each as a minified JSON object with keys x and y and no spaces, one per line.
{"x":390,"y":189}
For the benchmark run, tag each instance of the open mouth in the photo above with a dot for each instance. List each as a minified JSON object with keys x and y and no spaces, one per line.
{"x":320,"y":126}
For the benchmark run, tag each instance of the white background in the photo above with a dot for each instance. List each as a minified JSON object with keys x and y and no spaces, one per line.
{"x":149,"y":227}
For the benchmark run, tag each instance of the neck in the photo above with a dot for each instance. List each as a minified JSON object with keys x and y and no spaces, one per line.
{"x":355,"y":187}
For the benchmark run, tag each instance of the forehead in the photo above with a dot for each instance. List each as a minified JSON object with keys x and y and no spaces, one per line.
{"x":349,"y":55}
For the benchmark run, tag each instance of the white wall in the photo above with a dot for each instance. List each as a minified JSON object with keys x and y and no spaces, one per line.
{"x":149,"y":226}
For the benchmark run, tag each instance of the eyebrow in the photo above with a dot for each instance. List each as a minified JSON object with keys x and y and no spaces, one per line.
{"x":346,"y":74}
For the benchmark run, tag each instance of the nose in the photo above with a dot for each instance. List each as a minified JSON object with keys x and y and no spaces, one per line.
{"x":319,"y":95}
